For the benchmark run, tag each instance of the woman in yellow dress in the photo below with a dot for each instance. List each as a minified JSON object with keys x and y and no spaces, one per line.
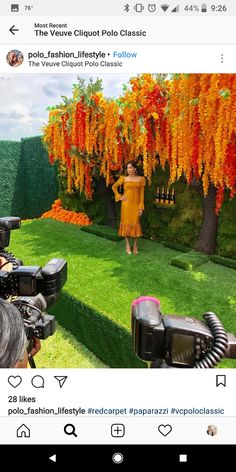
{"x":132,"y":205}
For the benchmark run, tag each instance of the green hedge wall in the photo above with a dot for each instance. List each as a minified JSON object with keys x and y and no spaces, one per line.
{"x":29,"y":187}
{"x":28,"y":182}
{"x":96,"y":208}
{"x":109,"y":341}
{"x":77,"y":202}
{"x":41,"y":181}
{"x":12,"y":201}
{"x":179,"y":223}
{"x":226,"y":236}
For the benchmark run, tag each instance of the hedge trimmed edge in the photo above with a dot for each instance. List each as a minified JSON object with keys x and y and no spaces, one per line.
{"x":190,"y":260}
{"x":176,"y":247}
{"x":225,"y":261}
{"x":102,"y":231}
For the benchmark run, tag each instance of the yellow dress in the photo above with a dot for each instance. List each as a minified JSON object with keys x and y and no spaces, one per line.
{"x":134,"y":191}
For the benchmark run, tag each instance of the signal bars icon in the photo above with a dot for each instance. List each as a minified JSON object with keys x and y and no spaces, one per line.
{"x":175,"y":10}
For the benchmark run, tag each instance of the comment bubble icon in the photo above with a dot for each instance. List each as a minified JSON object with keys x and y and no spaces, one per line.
{"x":37,"y":381}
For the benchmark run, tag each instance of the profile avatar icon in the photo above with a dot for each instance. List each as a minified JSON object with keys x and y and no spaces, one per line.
{"x":212,"y":430}
{"x":15,"y":58}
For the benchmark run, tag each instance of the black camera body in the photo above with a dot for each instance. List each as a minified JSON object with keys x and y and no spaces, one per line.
{"x":36,"y":322}
{"x":31,"y":280}
{"x":178,"y":341}
{"x":28,"y":280}
{"x":30,"y":288}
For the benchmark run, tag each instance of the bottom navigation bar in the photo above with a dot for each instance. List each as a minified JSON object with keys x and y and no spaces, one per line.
{"x":128,"y":455}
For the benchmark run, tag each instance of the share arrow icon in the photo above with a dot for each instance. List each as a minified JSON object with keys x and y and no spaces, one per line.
{"x":61,"y":379}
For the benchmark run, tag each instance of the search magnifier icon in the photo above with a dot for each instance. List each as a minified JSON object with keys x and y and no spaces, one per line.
{"x":70,"y":430}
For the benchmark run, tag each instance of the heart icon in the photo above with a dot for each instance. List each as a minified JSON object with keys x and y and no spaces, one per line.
{"x":14,"y":380}
{"x":165,"y":429}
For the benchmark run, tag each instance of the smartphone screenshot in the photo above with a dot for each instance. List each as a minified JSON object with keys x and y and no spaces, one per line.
{"x":118,"y":233}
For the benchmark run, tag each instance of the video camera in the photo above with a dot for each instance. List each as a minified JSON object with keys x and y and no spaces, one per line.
{"x":178,"y":341}
{"x":30,"y":288}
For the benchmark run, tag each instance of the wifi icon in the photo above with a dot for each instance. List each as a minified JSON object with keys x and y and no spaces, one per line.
{"x":164,"y":7}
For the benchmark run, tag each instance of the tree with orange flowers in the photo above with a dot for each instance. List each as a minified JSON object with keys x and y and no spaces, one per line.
{"x":186,"y":120}
{"x":91,"y":135}
{"x":202,"y":121}
{"x":190,"y":123}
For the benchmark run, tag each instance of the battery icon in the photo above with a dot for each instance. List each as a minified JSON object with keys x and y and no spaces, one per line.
{"x":204,"y":8}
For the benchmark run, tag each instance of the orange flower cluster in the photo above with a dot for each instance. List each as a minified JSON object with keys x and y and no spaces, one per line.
{"x":58,"y":213}
{"x":202,"y":119}
{"x":144,"y":120}
{"x":98,"y":134}
{"x":188,"y":121}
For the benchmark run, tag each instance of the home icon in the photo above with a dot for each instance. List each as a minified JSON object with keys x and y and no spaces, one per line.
{"x":23,"y":432}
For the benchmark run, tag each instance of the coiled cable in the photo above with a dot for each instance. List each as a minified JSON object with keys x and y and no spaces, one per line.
{"x":217,"y":352}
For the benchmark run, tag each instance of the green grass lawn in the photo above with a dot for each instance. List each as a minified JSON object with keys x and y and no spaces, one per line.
{"x":104,"y":280}
{"x":62,"y":349}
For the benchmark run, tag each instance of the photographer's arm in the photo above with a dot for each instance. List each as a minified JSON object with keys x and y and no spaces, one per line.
{"x":5,"y":265}
{"x":36,"y":346}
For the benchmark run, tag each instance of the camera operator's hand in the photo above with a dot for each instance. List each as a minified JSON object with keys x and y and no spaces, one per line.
{"x":36,"y":346}
{"x":5,"y":265}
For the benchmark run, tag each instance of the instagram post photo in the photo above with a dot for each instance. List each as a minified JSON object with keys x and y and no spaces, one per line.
{"x":127,"y":183}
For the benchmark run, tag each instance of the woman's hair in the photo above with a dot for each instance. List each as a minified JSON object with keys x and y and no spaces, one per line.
{"x":12,"y":335}
{"x":133,"y":164}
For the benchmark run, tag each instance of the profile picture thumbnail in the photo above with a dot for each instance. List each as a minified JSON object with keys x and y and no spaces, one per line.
{"x":15,"y":58}
{"x":212,"y":430}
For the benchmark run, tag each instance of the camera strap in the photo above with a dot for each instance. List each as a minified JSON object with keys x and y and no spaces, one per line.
{"x":31,"y":362}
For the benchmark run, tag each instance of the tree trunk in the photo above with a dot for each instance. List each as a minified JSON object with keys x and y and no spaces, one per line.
{"x":207,"y":238}
{"x":106,"y":195}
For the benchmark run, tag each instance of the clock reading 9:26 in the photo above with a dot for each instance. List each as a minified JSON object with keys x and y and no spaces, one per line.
{"x":219,"y":8}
